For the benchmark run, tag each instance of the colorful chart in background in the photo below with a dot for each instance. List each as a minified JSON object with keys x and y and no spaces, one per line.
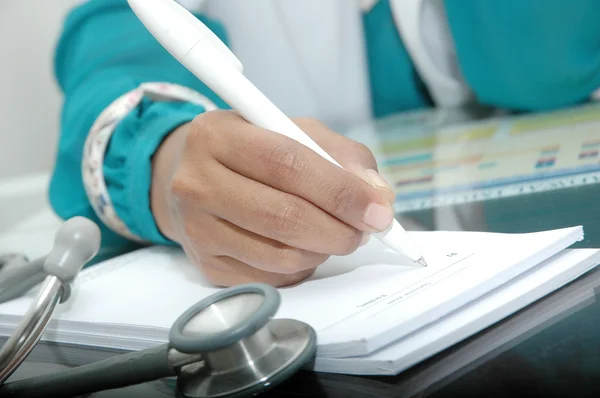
{"x":444,"y":163}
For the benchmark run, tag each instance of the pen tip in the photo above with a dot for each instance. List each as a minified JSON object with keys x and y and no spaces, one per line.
{"x":422,"y":262}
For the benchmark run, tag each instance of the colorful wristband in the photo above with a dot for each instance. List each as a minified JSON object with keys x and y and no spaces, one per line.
{"x":99,"y":137}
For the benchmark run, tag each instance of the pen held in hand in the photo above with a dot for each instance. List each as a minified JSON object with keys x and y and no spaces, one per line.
{"x":202,"y":53}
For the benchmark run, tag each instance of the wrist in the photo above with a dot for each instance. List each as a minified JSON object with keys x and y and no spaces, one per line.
{"x":164,"y":165}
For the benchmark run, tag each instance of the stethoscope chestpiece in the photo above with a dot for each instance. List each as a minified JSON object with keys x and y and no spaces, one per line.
{"x":244,"y":351}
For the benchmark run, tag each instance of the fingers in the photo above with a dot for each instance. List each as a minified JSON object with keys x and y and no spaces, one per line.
{"x":347,"y":152}
{"x":266,"y":254}
{"x":287,"y":166}
{"x":222,"y":238}
{"x":353,"y":156}
{"x":262,"y":210}
{"x":226,"y":271}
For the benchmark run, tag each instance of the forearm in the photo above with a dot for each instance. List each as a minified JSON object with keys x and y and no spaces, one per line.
{"x":103,"y":53}
{"x":163,"y":169}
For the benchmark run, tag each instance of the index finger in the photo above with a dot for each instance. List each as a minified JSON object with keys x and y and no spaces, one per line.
{"x":288,"y":166}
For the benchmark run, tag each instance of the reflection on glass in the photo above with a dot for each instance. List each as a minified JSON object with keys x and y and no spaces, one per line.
{"x":480,"y":170}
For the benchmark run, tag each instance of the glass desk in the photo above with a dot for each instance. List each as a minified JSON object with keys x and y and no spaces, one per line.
{"x":491,"y":174}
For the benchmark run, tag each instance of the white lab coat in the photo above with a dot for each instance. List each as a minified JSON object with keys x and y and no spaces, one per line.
{"x":309,"y":58}
{"x":306,"y":56}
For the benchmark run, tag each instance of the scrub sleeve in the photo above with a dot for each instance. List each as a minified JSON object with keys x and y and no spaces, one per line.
{"x":123,"y":94}
{"x":534,"y":55}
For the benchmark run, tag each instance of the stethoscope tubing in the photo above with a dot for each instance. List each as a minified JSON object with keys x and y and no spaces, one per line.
{"x":115,"y":372}
{"x":19,"y":276}
{"x":31,"y":328}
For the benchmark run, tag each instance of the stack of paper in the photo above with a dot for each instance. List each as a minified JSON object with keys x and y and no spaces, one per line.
{"x":432,"y":375}
{"x":373,"y":312}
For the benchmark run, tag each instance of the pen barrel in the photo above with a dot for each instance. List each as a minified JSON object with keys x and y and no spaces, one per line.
{"x":235,"y":89}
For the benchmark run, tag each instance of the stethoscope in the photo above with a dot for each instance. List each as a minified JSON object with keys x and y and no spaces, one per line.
{"x":226,"y":345}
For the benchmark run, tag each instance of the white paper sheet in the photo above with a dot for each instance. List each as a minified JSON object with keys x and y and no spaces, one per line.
{"x":470,"y":319}
{"x":131,"y":302}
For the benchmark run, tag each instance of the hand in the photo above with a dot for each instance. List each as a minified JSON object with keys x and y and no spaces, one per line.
{"x":250,"y":205}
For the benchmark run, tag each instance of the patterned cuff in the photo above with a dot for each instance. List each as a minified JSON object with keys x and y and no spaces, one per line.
{"x":99,"y":137}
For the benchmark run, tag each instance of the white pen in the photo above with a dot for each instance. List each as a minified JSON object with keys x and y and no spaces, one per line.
{"x":210,"y":60}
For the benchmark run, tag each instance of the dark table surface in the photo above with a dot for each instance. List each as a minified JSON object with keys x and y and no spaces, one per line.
{"x":549,"y":349}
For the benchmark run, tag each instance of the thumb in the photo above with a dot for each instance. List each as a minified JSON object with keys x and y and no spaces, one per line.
{"x":353,"y":156}
{"x":361,"y":162}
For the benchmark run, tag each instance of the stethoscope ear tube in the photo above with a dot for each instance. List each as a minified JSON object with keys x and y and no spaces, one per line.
{"x":19,"y":276}
{"x":76,"y":242}
{"x":30,"y":330}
